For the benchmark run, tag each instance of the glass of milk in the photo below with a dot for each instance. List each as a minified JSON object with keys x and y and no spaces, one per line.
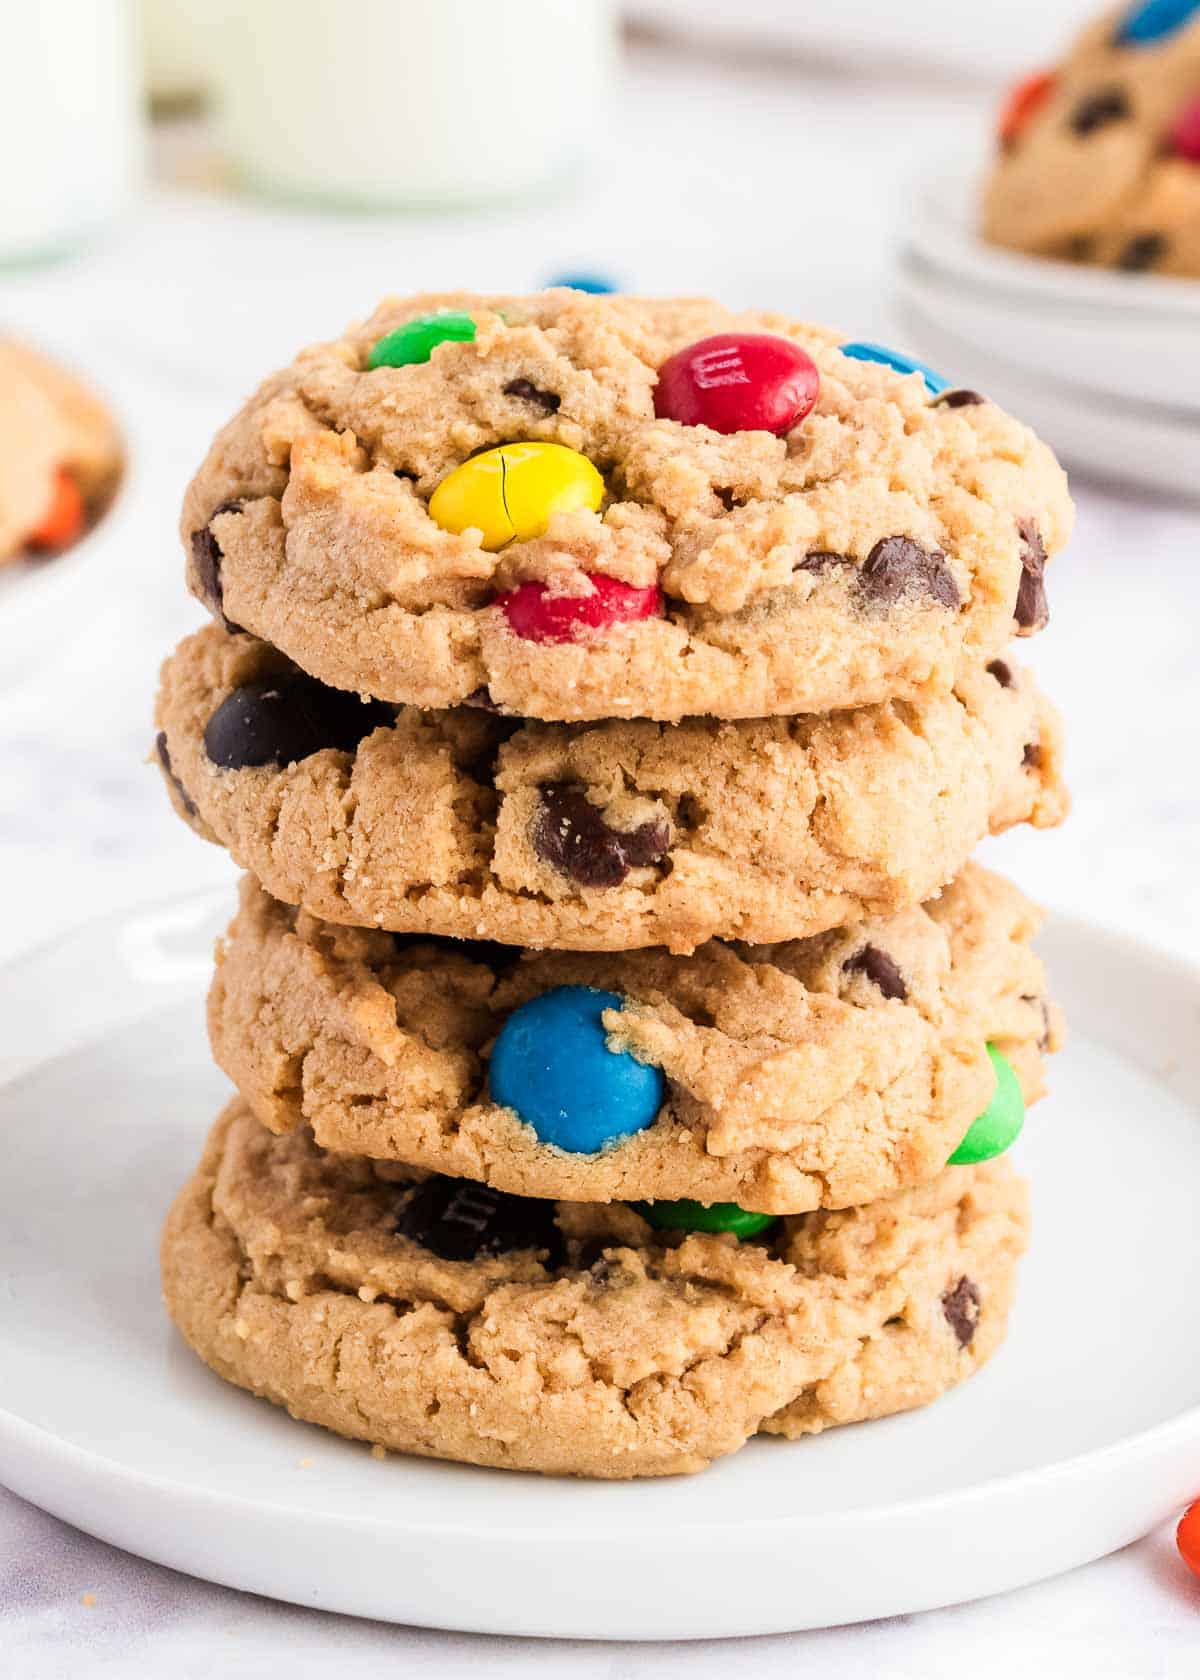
{"x":409,"y":103}
{"x":70,"y":125}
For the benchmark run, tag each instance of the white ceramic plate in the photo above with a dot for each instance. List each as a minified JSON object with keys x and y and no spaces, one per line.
{"x":1082,"y":1434}
{"x":941,"y":225}
{"x":1151,"y":445}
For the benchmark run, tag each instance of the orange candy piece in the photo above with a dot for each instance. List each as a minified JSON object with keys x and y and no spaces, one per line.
{"x":64,"y":518}
{"x":1022,"y":101}
{"x":1187,"y":1537}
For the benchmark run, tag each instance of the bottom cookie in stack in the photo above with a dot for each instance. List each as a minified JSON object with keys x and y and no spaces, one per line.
{"x":440,"y":1317}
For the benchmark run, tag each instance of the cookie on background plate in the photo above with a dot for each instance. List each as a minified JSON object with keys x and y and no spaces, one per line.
{"x":578,"y":507}
{"x":432,"y":1317}
{"x":60,"y":454}
{"x":821,"y":1072}
{"x":1099,"y":159}
{"x":604,"y":836}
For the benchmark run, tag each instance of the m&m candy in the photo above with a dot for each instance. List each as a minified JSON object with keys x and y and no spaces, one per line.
{"x":1184,"y":136}
{"x":1187,"y":1537}
{"x":1000,"y":1124}
{"x":1022,"y":102}
{"x":417,"y":339}
{"x":552,"y":1064}
{"x":738,"y":382}
{"x":1154,"y":19}
{"x":861,"y":351}
{"x":701,"y":1216}
{"x":537,"y":614}
{"x":596,"y":284}
{"x":512,"y":492}
{"x":64,"y":519}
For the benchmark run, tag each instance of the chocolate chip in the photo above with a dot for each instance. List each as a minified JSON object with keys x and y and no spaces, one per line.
{"x":1031,"y":758}
{"x":898,"y":566}
{"x":1099,"y":109}
{"x":822,"y":560}
{"x":457,"y":1219}
{"x":1031,"y":611}
{"x":206,"y":562}
{"x":527,"y":391}
{"x":569,"y":834}
{"x":481,"y":700}
{"x":164,"y":758}
{"x":1142,"y":252}
{"x":280,"y":720}
{"x":961,"y":1307}
{"x":880,"y":970}
{"x":726,"y":497}
{"x":959,"y":399}
{"x":1001,"y":672}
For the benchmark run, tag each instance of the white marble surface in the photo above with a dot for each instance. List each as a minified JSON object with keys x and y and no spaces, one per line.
{"x":759,"y":187}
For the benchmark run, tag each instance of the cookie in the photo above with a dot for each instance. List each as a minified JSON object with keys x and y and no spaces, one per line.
{"x":822,"y":1072}
{"x":1099,"y":161}
{"x":467,"y":1325}
{"x":569,"y":507}
{"x":60,"y":454}
{"x":595,"y":837}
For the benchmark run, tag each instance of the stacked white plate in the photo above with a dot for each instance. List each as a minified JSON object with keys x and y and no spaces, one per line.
{"x":1105,"y":365}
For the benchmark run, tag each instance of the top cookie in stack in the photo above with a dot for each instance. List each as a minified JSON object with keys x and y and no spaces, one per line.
{"x":576,"y":510}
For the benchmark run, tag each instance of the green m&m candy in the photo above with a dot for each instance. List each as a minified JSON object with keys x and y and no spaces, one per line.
{"x":417,"y":339}
{"x":697,"y":1216}
{"x":1000,"y":1123}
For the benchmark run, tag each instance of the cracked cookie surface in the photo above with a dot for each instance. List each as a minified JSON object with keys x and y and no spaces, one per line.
{"x":606,"y":836}
{"x":862,"y":556}
{"x":573,"y":1340}
{"x":821,"y":1072}
{"x":1092,"y":175}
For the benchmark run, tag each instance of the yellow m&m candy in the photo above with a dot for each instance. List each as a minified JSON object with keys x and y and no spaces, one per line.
{"x":511,"y":493}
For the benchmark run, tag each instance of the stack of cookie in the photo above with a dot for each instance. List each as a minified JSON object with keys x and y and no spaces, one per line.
{"x":605,"y":698}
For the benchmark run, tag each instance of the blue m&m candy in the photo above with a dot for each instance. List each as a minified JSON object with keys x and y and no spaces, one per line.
{"x":594,"y":283}
{"x":552,"y":1064}
{"x":1154,"y":19}
{"x":861,"y":351}
{"x":999,"y":1126}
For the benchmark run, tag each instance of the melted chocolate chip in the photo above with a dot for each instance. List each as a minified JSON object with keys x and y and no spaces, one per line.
{"x":1097,"y":110}
{"x":1001,"y":672}
{"x":880,"y":970}
{"x":549,"y":401}
{"x":1142,"y":252}
{"x":164,"y":758}
{"x":1031,"y":611}
{"x":959,"y":399}
{"x":1031,"y":758}
{"x":280,"y":720}
{"x":822,"y":560}
{"x":961,"y":1307}
{"x":726,"y":497}
{"x":457,"y":1219}
{"x":571,"y":835}
{"x":206,"y":563}
{"x":898,"y":566}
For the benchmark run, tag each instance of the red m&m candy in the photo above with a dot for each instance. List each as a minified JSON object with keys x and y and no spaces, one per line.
{"x":1187,"y":1537}
{"x":537,"y":615}
{"x":64,"y":519}
{"x":1021,"y":103}
{"x":1184,"y":138}
{"x":738,"y":382}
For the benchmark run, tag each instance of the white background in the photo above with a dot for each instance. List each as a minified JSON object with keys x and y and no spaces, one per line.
{"x":760,"y":186}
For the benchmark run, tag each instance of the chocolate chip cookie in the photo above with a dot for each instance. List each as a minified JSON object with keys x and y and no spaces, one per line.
{"x":595,"y":837}
{"x":450,"y":1321}
{"x":60,"y":454}
{"x":1099,"y":160}
{"x":578,"y":507}
{"x":816,"y":1073}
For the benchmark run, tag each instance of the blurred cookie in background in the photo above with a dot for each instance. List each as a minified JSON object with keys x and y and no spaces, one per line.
{"x":60,"y":455}
{"x":1099,"y":159}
